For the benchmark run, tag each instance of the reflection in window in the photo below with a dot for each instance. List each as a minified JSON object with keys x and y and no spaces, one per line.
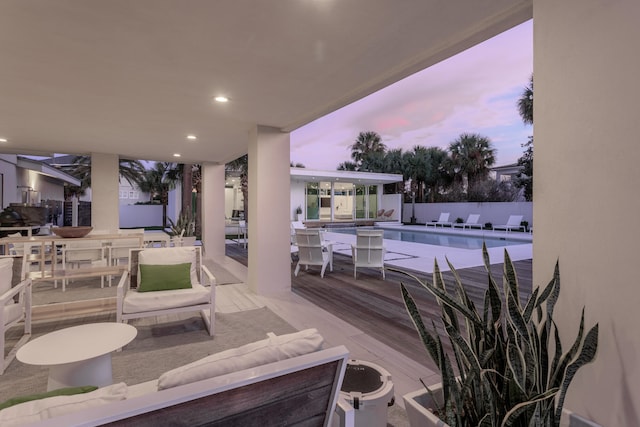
{"x":313,"y":200}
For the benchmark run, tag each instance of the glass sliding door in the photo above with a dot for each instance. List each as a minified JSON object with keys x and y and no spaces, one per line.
{"x":361,"y":202}
{"x":325,"y":201}
{"x":313,"y":200}
{"x":343,"y":201}
{"x":373,"y":201}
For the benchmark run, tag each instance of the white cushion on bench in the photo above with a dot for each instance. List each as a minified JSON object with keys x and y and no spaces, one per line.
{"x":247,"y":356}
{"x":137,"y":302}
{"x":38,"y":410}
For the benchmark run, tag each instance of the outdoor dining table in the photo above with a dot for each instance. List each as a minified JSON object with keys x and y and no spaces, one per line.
{"x":47,"y":252}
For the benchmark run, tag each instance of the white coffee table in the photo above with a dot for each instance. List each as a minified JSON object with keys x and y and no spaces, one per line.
{"x":80,"y":355}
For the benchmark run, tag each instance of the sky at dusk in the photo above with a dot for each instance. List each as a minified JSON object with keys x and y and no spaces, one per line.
{"x":475,"y":91}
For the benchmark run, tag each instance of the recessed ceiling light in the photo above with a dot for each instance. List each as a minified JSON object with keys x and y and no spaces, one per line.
{"x":192,"y":137}
{"x":221,"y":98}
{"x":3,"y":140}
{"x":176,"y":155}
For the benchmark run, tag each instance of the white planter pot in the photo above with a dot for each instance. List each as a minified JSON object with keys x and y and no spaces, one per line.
{"x":416,"y":404}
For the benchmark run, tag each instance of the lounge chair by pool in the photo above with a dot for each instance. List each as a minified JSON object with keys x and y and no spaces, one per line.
{"x":513,"y":223}
{"x":442,"y":221}
{"x":472,"y":221}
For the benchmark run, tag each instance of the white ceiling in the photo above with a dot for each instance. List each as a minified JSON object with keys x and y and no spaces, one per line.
{"x":134,"y":77}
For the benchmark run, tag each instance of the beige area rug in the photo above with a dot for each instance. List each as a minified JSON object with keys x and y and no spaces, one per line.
{"x":160,"y":347}
{"x":157,"y":348}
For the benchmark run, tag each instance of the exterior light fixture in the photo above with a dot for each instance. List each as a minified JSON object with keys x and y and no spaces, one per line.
{"x":192,"y":137}
{"x":3,"y":140}
{"x":176,"y":155}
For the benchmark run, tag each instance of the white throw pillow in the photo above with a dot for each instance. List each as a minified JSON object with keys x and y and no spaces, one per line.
{"x":170,"y":256}
{"x":6,"y":274}
{"x":38,"y":410}
{"x":247,"y":356}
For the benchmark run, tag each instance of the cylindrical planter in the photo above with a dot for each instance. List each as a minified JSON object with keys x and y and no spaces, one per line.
{"x":417,"y":404}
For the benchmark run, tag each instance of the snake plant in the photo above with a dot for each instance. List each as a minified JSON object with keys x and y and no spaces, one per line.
{"x":508,"y":366}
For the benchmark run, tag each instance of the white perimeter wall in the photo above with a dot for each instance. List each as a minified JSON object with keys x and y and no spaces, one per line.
{"x":135,"y":216}
{"x":497,"y":213}
{"x":586,"y":204}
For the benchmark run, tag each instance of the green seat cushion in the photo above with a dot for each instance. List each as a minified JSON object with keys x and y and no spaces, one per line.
{"x":164,"y":277}
{"x":68,"y":391}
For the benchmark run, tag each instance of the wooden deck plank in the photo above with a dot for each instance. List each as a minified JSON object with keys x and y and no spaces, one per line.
{"x":375,"y":306}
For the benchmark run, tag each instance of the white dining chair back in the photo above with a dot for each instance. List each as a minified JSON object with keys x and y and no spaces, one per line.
{"x":311,"y":250}
{"x":369,"y":250}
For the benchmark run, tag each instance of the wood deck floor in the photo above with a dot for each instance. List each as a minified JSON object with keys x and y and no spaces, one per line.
{"x":375,"y":306}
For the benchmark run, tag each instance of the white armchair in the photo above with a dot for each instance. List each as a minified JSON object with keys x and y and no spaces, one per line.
{"x":138,"y":298}
{"x":369,"y":250}
{"x":15,"y":304}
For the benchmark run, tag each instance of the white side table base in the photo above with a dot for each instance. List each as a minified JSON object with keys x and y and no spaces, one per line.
{"x":96,"y":372}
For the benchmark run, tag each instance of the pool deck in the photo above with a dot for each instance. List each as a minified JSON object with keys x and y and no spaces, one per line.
{"x":420,"y":257}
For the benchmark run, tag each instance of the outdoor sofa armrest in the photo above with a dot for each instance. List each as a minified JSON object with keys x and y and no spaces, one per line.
{"x":123,"y":287}
{"x":211,"y":279}
{"x":24,"y":287}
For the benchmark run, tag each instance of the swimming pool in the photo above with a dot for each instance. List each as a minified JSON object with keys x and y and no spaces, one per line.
{"x":439,"y":239}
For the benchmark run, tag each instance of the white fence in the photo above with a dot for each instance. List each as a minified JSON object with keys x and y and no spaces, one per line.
{"x":496,"y":213}
{"x":134,"y":216}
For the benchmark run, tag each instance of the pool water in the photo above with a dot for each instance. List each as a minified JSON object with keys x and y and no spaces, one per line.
{"x":438,"y":239}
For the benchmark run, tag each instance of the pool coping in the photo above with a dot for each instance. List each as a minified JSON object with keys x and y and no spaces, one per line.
{"x":420,"y":257}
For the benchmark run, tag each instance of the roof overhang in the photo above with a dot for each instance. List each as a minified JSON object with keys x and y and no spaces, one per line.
{"x":44,"y":169}
{"x":311,"y":175}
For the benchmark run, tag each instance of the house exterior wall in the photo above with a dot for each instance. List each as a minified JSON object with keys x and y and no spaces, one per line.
{"x":586,"y":71}
{"x":390,"y":201}
{"x":130,"y":194}
{"x":297,"y":198}
{"x":9,"y":179}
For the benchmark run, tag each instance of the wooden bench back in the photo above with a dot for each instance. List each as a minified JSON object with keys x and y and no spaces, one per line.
{"x":300,"y":391}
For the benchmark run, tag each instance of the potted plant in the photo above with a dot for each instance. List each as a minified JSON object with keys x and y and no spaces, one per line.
{"x":183,"y":230}
{"x":298,"y":213}
{"x":508,"y":366}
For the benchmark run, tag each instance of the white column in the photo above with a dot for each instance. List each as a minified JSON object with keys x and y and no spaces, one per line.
{"x":105,"y":211}
{"x":268,"y":221}
{"x":213,"y":211}
{"x":585,"y":209}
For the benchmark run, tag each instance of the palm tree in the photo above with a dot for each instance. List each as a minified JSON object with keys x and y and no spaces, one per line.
{"x":240,"y":166}
{"x":416,"y":168}
{"x":525,"y":103}
{"x":158,"y":181}
{"x":524,"y":179}
{"x":366,"y":143}
{"x":347,"y":166}
{"x":436,"y":176}
{"x":373,"y":162}
{"x":394,"y":163}
{"x":471,"y":157}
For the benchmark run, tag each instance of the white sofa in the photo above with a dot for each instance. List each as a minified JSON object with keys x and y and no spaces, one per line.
{"x":288,"y":375}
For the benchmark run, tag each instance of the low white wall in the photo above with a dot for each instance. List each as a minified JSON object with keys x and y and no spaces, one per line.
{"x":496,"y":213}
{"x":132,"y":216}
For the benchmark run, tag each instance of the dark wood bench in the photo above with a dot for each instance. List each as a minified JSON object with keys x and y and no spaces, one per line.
{"x":301,"y":391}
